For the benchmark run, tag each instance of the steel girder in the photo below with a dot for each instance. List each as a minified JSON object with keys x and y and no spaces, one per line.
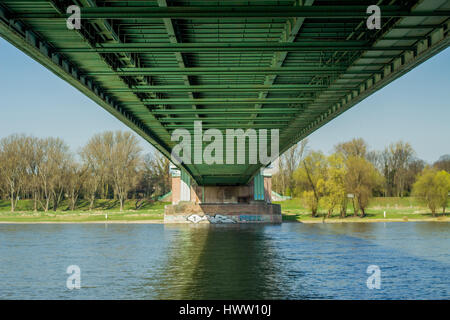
{"x":289,"y":65}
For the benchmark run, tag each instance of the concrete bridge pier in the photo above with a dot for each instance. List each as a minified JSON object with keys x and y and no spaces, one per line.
{"x":249,"y":203}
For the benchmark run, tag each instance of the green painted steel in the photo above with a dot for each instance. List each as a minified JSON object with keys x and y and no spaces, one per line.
{"x":185,"y":177}
{"x":258,"y":187}
{"x":291,"y":65}
{"x":164,"y":197}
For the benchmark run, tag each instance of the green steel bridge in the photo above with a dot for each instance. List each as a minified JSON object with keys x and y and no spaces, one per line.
{"x":291,"y":65}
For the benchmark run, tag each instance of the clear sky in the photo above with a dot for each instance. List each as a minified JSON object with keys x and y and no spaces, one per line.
{"x":414,"y":108}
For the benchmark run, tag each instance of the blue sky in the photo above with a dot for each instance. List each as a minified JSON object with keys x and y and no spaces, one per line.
{"x":414,"y":108}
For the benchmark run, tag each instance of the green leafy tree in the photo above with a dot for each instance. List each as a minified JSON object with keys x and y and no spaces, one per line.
{"x":310,"y":201}
{"x":333,"y":187}
{"x":360,"y":180}
{"x":309,"y":178}
{"x":433,"y":187}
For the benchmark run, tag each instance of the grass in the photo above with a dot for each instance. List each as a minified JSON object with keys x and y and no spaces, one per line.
{"x":397,"y":209}
{"x":24,"y":212}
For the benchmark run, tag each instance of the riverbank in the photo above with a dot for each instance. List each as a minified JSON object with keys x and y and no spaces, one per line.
{"x":369,"y":220}
{"x":157,"y":217}
{"x":89,"y":222}
{"x":107,"y":211}
{"x":128,"y":216}
{"x":396,"y":210}
{"x":317,"y":221}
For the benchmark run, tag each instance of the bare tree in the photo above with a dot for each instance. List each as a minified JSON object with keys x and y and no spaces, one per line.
{"x":396,"y":159}
{"x":114,"y":156}
{"x":125,"y":160}
{"x":34,"y":158}
{"x":155,"y":174}
{"x":52,"y":170}
{"x":13,"y":166}
{"x":95,"y":155}
{"x":289,"y":161}
{"x":443,"y":163}
{"x":90,"y":186}
{"x":354,"y":148}
{"x":76,"y":176}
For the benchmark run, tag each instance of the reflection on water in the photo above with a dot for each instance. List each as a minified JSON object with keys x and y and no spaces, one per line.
{"x":288,"y":261}
{"x":223,"y":261}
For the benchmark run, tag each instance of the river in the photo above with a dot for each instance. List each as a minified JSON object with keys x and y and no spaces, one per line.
{"x":288,"y":261}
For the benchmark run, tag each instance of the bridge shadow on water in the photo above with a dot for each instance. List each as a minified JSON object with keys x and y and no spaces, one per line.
{"x":220,"y":262}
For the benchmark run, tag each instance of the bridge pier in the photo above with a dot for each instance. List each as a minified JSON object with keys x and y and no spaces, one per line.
{"x":249,"y":203}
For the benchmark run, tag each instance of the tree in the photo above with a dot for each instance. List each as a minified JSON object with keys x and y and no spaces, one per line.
{"x":333,"y":187}
{"x":52,"y":170}
{"x":311,"y":201}
{"x":34,"y":157}
{"x":396,"y":159}
{"x":291,"y":160}
{"x":121,"y":162}
{"x":283,"y":180}
{"x":433,"y":187}
{"x":415,"y":167}
{"x":360,"y":180}
{"x":155,"y":177}
{"x":309,"y":177}
{"x":95,"y":155}
{"x":443,"y":188}
{"x":76,"y":176}
{"x":90,"y":185}
{"x":13,"y":166}
{"x":443,"y":163}
{"x":353,"y":148}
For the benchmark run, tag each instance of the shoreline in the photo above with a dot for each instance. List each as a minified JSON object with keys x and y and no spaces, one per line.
{"x":87,"y":222}
{"x":446,"y":219}
{"x":158,"y":221}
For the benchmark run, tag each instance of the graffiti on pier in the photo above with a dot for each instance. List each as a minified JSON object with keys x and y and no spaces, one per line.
{"x":218,"y":218}
{"x":250,"y":218}
{"x":195,"y":218}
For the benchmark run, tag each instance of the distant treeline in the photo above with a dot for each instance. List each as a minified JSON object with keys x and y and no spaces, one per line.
{"x":353,"y":174}
{"x":110,"y":166}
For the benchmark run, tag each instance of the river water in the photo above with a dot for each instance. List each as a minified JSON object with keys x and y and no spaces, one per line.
{"x":288,"y":261}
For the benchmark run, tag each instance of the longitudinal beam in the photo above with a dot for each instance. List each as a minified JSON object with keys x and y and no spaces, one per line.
{"x":224,"y":101}
{"x":226,"y":111}
{"x":142,"y":13}
{"x":227,"y":71}
{"x":222,"y":119}
{"x":235,"y":88}
{"x":316,"y":46}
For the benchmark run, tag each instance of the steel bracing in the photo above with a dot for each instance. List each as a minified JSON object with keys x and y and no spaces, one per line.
{"x":291,"y":65}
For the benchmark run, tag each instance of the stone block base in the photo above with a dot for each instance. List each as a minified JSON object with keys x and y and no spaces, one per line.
{"x":188,"y":212}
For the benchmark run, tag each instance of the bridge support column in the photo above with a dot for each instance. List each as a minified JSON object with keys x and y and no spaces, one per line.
{"x":249,"y":203}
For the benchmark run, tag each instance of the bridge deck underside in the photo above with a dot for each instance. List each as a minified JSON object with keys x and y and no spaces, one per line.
{"x":290,"y":65}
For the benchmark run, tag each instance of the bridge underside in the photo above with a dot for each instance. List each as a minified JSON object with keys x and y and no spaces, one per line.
{"x":290,"y":65}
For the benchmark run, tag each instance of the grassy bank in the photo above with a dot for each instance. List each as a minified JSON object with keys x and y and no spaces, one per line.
{"x":149,"y":211}
{"x":397,"y":209}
